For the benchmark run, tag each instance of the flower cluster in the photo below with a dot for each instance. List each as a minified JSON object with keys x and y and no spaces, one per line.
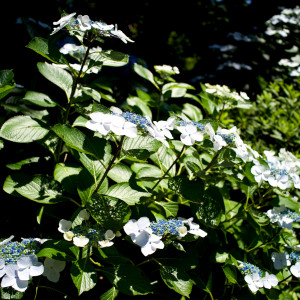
{"x":148,"y":235}
{"x":166,"y":71}
{"x":283,"y":217}
{"x":283,"y":259}
{"x":254,"y":278}
{"x":18,"y":263}
{"x":83,"y":24}
{"x":223,"y":92}
{"x":127,"y":123}
{"x":283,"y":25}
{"x":85,"y":233}
{"x":279,"y":171}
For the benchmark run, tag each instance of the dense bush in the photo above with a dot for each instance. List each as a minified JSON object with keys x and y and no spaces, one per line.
{"x":142,"y":184}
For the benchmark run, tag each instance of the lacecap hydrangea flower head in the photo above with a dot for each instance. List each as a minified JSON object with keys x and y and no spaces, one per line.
{"x":150,"y":235}
{"x":86,"y":233}
{"x":19,"y":263}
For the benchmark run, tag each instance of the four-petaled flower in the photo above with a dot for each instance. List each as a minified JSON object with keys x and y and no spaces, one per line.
{"x":254,"y":281}
{"x":295,"y":269}
{"x":190,"y":134}
{"x":280,"y":260}
{"x":52,"y":269}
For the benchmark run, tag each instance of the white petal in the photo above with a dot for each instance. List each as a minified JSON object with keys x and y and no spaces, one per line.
{"x":24,"y":274}
{"x":20,"y":285}
{"x":80,"y":241}
{"x":186,"y":139}
{"x":141,"y":239}
{"x":143,"y":223}
{"x":8,"y":281}
{"x":131,"y":227}
{"x":64,"y":225}
{"x":37,"y":269}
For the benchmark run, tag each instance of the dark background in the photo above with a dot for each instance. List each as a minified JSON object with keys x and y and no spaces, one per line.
{"x":165,"y":32}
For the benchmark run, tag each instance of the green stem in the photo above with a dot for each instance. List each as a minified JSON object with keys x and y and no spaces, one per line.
{"x":212,"y":162}
{"x":110,"y":164}
{"x":74,"y":87}
{"x":174,"y":162}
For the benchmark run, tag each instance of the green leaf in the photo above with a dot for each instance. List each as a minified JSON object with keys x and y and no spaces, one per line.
{"x":39,"y":188}
{"x":86,"y":185}
{"x":111,"y":294}
{"x":57,"y":75}
{"x":124,"y":192}
{"x":46,"y":49}
{"x":59,"y":250}
{"x":140,"y":105}
{"x":149,"y":173}
{"x":145,"y":73}
{"x":207,"y":103}
{"x":164,"y":157}
{"x":22,"y":129}
{"x":39,"y":99}
{"x":128,"y":279}
{"x":6,"y":82}
{"x":170,"y":208}
{"x":109,"y":212}
{"x":192,"y":112}
{"x":190,"y":190}
{"x":76,"y":139}
{"x":18,"y":165}
{"x":175,"y":89}
{"x":230,"y":273}
{"x":210,"y":207}
{"x":140,"y":147}
{"x":177,"y":280}
{"x":84,"y":275}
{"x":120,"y":173}
{"x":110,"y":58}
{"x":67,"y":174}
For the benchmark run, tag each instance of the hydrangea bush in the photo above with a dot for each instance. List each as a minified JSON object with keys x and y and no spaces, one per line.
{"x":158,"y":198}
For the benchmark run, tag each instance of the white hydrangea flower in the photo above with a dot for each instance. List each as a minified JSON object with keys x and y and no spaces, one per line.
{"x":189,"y":134}
{"x":194,"y":228}
{"x":62,"y":22}
{"x":166,"y":69}
{"x":254,"y":281}
{"x":84,"y":22}
{"x":141,"y":234}
{"x":157,"y":134}
{"x":68,"y":235}
{"x":29,"y":266}
{"x":295,"y":269}
{"x":280,"y":260}
{"x":119,"y":34}
{"x":64,"y":225}
{"x":52,"y":269}
{"x":102,"y":26}
{"x":99,"y":122}
{"x":164,"y":127}
{"x":120,"y":126}
{"x":80,"y":241}
{"x":11,"y":278}
{"x":105,"y":243}
{"x":258,"y":172}
{"x":136,"y":229}
{"x":270,"y":280}
{"x":153,"y":242}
